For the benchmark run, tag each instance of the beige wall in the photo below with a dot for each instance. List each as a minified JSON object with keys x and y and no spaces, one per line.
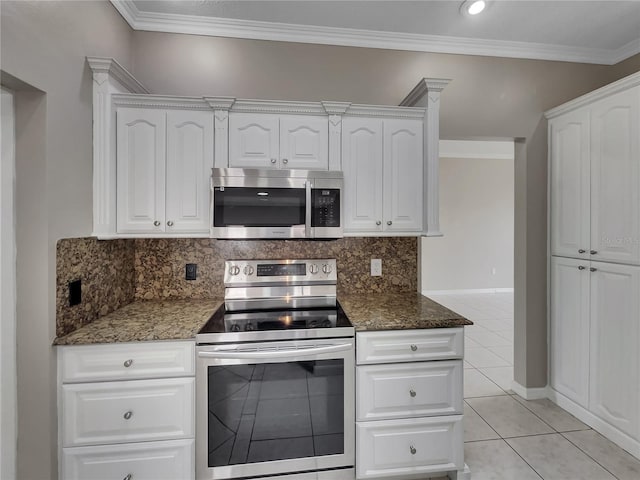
{"x":476,"y":218}
{"x":44,"y":45}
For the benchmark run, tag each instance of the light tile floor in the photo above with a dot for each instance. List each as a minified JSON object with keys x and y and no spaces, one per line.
{"x":507,"y":437}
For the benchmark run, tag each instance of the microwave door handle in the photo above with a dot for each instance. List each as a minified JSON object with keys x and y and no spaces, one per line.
{"x":294,"y":352}
{"x":307,"y":212}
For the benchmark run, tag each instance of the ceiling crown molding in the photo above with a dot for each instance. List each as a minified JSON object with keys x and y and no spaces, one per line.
{"x":286,"y":32}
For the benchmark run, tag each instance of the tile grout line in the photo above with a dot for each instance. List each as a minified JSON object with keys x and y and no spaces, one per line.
{"x":516,"y":452}
{"x":494,"y":430}
{"x":569,"y":440}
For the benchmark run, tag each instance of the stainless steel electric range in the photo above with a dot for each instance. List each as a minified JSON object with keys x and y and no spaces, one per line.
{"x":275,"y":375}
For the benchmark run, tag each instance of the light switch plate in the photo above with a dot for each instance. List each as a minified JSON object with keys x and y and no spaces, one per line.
{"x":376,"y":267}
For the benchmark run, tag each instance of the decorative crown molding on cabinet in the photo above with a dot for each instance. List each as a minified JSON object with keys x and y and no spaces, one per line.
{"x":606,"y":91}
{"x":220,"y":103}
{"x":161,"y":101}
{"x":385,"y":111}
{"x":424,"y":86}
{"x":111,"y":68}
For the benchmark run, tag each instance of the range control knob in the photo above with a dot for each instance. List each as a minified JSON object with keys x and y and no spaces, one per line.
{"x":248,"y":270}
{"x":234,"y":270}
{"x":313,"y":268}
{"x":249,"y":327}
{"x":326,"y":268}
{"x":235,"y":327}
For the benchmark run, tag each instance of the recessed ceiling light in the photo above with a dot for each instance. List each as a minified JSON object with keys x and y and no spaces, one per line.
{"x":473,"y":7}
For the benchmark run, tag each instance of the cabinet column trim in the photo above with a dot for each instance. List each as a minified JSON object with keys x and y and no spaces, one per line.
{"x":109,"y":77}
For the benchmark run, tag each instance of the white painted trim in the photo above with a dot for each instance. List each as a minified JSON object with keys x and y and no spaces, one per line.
{"x":616,"y":436}
{"x":111,"y":67}
{"x":626,"y":51}
{"x":8,"y":374}
{"x":625,"y":83}
{"x":529,"y":393}
{"x":287,"y":32}
{"x":481,"y":150}
{"x":467,"y":291}
{"x":115,"y":236}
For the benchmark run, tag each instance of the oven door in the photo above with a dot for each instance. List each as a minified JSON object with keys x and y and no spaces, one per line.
{"x":274,"y":408}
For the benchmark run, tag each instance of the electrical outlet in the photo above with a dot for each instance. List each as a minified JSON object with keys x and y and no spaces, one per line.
{"x":191,"y":271}
{"x":376,"y":267}
{"x":75,"y":292}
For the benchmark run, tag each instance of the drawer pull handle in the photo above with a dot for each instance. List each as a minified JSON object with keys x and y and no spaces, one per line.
{"x":128,"y":477}
{"x":128,"y":363}
{"x":414,"y":348}
{"x":412,"y":449}
{"x":412,"y":392}
{"x":593,"y":269}
{"x":128,"y":415}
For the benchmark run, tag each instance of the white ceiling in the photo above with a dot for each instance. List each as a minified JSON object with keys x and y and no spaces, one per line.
{"x":591,"y":31}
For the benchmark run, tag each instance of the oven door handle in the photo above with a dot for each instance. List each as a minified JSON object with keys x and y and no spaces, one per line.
{"x":307,"y":213}
{"x":294,"y":352}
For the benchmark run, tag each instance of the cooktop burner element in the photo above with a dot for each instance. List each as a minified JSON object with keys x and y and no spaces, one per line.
{"x":277,"y":300}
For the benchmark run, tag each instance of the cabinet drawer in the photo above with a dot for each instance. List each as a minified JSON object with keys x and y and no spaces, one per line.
{"x":169,"y":460}
{"x":127,"y":361}
{"x":409,"y":390}
{"x":135,"y":411}
{"x":409,"y":345}
{"x":390,"y":448}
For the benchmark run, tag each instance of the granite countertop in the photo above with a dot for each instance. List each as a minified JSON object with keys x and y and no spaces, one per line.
{"x":146,"y":320}
{"x":398,"y":311}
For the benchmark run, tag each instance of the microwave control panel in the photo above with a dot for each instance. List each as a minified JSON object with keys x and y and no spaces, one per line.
{"x":325,"y":207}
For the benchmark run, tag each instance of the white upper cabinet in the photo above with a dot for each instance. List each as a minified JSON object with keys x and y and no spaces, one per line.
{"x":362,"y":169}
{"x":569,"y":172}
{"x":141,"y":143}
{"x":615,"y":178}
{"x":164,"y":161}
{"x":278,"y":141}
{"x":189,"y":163}
{"x":382,"y":163}
{"x":615,"y":335}
{"x":403,"y":175}
{"x":595,"y":180}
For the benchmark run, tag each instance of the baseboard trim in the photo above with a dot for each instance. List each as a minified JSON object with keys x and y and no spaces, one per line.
{"x":530,"y":393}
{"x":467,"y":291}
{"x":612,"y":433}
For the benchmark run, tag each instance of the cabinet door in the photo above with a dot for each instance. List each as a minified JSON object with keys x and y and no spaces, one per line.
{"x":569,"y":336}
{"x":362,"y":168}
{"x":304,"y":142}
{"x":189,"y":163}
{"x":141,"y":143}
{"x":253,"y":140}
{"x":569,"y":171}
{"x":615,"y":178}
{"x":615,"y":336}
{"x":402,"y":189}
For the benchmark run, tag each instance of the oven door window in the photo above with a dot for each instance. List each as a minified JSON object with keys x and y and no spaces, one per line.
{"x":275,"y":411}
{"x":258,"y":207}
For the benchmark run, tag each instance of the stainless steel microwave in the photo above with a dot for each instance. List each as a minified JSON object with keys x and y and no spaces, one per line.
{"x":261,"y":203}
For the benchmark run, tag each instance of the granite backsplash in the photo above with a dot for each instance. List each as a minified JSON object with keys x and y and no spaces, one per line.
{"x":107,"y":272}
{"x":117,"y":272}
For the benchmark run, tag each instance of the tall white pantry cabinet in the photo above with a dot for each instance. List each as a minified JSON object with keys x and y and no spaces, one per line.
{"x":594,"y":241}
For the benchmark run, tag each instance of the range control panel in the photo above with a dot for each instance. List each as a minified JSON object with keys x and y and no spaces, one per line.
{"x":284,"y":272}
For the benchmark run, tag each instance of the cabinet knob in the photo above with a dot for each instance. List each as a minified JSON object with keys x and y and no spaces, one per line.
{"x":412,"y":392}
{"x":156,"y":223}
{"x":389,"y":222}
{"x":378,"y":222}
{"x":593,"y":269}
{"x":128,"y":363}
{"x":128,"y":477}
{"x":593,"y":252}
{"x":128,"y":415}
{"x":581,"y":267}
{"x":170,"y":223}
{"x":412,"y":449}
{"x":285,"y":160}
{"x":273,"y":160}
{"x":414,"y":348}
{"x":582,"y":250}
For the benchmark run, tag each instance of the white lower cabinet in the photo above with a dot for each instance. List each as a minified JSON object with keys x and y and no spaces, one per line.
{"x":139,"y":424}
{"x":170,"y":460}
{"x":409,"y":403}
